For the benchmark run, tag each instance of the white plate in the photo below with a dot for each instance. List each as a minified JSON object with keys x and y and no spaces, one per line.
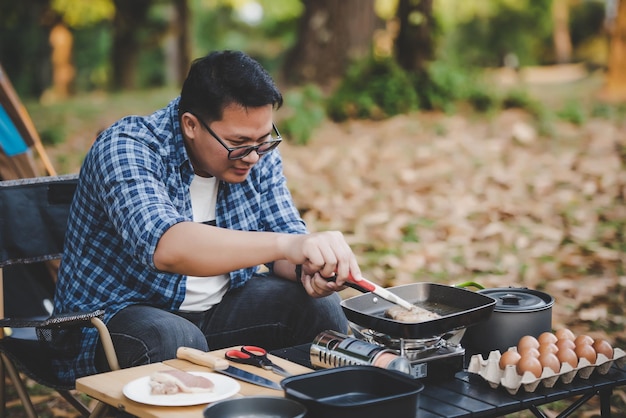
{"x":139,"y":390}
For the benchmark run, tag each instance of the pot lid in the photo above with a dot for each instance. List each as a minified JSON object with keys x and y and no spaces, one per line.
{"x":515,"y":299}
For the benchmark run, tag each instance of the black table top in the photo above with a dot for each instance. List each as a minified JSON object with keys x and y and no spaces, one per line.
{"x":467,"y":395}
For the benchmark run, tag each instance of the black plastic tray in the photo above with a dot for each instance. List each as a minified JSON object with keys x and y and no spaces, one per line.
{"x":355,"y":392}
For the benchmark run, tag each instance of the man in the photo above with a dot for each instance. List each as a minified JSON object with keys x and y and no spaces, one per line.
{"x":172,"y":213}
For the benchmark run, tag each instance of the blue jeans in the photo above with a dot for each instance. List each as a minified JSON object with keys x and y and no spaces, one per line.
{"x":268,"y":312}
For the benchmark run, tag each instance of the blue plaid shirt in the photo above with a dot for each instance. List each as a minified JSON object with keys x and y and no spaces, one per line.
{"x":133,"y":186}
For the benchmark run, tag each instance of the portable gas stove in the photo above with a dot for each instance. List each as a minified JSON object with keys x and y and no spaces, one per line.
{"x":433,"y":347}
{"x":436,"y":358}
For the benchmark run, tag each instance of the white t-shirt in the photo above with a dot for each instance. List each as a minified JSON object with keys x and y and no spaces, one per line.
{"x":204,"y":292}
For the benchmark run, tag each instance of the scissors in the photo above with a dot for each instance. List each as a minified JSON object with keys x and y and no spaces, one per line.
{"x":257,"y":356}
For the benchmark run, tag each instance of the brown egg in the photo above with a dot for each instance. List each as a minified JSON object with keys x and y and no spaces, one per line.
{"x":547,"y":338}
{"x":567,"y":355}
{"x":586,"y":351}
{"x":509,"y":358}
{"x":551,"y":361}
{"x":564,"y":334}
{"x":529,"y":364}
{"x":561,"y":344}
{"x":583,"y":339}
{"x":527,"y":341}
{"x":548,"y":348}
{"x":603,"y":347}
{"x":529,"y":351}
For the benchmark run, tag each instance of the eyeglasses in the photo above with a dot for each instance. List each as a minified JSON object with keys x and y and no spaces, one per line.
{"x":237,"y":153}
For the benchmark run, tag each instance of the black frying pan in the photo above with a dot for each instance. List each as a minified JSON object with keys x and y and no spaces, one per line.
{"x":256,"y":406}
{"x":458,"y":307}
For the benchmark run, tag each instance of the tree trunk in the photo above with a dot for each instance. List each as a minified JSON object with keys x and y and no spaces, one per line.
{"x":24,"y":47}
{"x":415,"y":42}
{"x":615,"y":86}
{"x":130,"y":16}
{"x":560,"y":33}
{"x":330,"y":35}
{"x":63,"y":72}
{"x":177,"y":47}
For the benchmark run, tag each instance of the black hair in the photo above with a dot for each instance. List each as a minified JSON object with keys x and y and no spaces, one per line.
{"x":223,"y":78}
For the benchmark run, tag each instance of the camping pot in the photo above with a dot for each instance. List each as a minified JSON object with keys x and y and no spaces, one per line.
{"x":518,"y":312}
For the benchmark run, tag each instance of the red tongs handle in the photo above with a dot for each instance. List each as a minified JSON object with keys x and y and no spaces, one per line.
{"x":362,"y":285}
{"x":365,"y":286}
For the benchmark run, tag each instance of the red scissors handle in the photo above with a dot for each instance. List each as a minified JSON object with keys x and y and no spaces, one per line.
{"x":253,"y":350}
{"x":249,"y":354}
{"x":236,"y":355}
{"x":257,"y":356}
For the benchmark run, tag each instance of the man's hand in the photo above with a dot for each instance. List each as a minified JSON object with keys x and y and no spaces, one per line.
{"x":322,"y":255}
{"x":317,"y":286}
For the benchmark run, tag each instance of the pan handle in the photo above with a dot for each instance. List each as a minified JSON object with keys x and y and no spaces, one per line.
{"x":470,"y":284}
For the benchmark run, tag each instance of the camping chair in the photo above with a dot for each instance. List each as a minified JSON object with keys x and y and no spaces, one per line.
{"x":33,"y":219}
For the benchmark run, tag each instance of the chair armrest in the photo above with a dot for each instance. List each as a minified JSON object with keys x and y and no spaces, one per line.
{"x":68,"y":320}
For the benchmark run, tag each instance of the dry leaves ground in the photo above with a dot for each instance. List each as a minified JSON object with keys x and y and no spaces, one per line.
{"x":450,"y":199}
{"x":442,"y":198}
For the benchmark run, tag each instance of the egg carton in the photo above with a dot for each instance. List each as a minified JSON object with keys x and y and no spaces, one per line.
{"x":508,"y":378}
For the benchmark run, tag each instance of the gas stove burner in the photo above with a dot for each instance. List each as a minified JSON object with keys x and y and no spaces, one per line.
{"x":434,"y":358}
{"x":411,"y":348}
{"x":394,"y":342}
{"x":409,"y":344}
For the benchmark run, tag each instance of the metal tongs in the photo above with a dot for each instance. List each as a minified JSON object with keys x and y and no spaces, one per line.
{"x":365,"y":286}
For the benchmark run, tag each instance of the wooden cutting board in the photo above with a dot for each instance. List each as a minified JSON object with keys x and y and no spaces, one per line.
{"x":107,"y":387}
{"x":248,"y":389}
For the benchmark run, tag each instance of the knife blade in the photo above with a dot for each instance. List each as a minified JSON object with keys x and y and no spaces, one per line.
{"x":219,"y":365}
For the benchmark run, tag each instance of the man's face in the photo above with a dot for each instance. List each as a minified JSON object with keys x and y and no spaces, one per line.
{"x":239,"y":127}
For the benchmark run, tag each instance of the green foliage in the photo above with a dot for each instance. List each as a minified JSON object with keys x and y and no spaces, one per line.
{"x":53,"y":135}
{"x":307,"y":112}
{"x":572,"y":112}
{"x":445,"y":84}
{"x":217,"y":25}
{"x":376,"y":89}
{"x":586,"y":20}
{"x":282,"y":10}
{"x":373,"y":88}
{"x":440,"y":87}
{"x":79,"y":13}
{"x":483,"y":100}
{"x":92,"y":64}
{"x":609,"y":111}
{"x":151,"y":69}
{"x":488,"y":31}
{"x":545,"y":122}
{"x":602,"y":110}
{"x":411,"y":231}
{"x":24,"y":47}
{"x":520,"y":98}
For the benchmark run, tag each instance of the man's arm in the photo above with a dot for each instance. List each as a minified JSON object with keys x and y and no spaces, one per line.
{"x":201,"y":250}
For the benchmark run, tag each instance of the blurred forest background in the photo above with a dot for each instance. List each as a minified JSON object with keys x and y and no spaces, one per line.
{"x":450,"y":140}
